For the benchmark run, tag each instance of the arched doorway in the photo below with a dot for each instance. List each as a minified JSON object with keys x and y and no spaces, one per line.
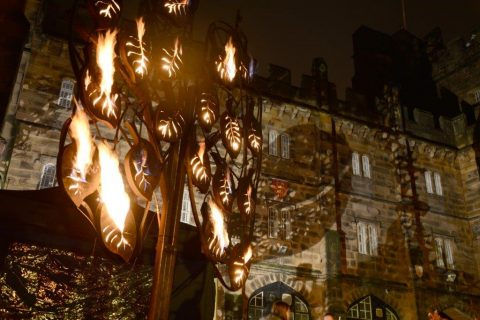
{"x":371,"y":308}
{"x":260,"y":302}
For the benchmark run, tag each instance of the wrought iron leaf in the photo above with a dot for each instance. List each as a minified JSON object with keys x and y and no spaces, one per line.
{"x":245,"y":197}
{"x":137,"y":52}
{"x":208,"y":113}
{"x":200,"y":168}
{"x":173,"y":59}
{"x":176,"y":7}
{"x":169,"y":128}
{"x":142,"y":169}
{"x":76,"y":186}
{"x":231,"y":134}
{"x":117,"y":241}
{"x":223,"y":186}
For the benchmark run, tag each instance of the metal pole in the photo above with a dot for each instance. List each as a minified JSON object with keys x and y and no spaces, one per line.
{"x":164,"y":268}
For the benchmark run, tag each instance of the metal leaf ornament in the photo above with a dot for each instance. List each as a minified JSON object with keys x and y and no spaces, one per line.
{"x":79,"y":165}
{"x":208,"y":111}
{"x":231,"y":134}
{"x":116,"y":219}
{"x":245,"y":198}
{"x":215,"y":230}
{"x":239,"y":265}
{"x":200,"y":168}
{"x":118,"y":241}
{"x":105,"y":12}
{"x":79,"y":185}
{"x":137,"y":51}
{"x":101,"y":98}
{"x":169,"y":127}
{"x":223,"y":186}
{"x":142,"y":169}
{"x":254,"y":137}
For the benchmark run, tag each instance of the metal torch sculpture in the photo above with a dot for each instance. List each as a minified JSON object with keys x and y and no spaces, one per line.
{"x":178,"y":119}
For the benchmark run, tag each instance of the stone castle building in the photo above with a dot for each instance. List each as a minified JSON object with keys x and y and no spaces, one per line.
{"x":369,"y":208}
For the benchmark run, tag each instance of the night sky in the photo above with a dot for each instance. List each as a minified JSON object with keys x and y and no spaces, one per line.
{"x":292,"y":33}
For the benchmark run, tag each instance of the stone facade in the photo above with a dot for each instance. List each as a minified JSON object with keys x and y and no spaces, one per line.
{"x":346,"y":211}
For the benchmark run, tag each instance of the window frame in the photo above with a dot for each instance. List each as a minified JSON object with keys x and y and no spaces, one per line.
{"x":186,"y":213}
{"x":65,"y":96}
{"x":444,"y":252}
{"x":43,"y":183}
{"x":367,"y":237}
{"x":273,"y":142}
{"x":285,"y":145}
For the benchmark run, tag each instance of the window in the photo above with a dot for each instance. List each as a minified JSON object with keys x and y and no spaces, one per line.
{"x":301,"y":310}
{"x":444,"y":252}
{"x":272,"y":223}
{"x":356,"y":164}
{"x":274,"y":143}
{"x":369,"y":308}
{"x":433,"y":186}
{"x":367,"y":238}
{"x":279,"y":223}
{"x":438,"y":183}
{"x":66,"y":93}
{"x":47,"y":178}
{"x":366,"y":166}
{"x":285,"y":144}
{"x":187,"y":214}
{"x":362,"y":310}
{"x":362,"y":167}
{"x":285,"y":224}
{"x":261,"y":301}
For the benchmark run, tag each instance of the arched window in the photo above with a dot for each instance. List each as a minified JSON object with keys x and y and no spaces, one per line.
{"x":272,"y":143}
{"x":47,"y":178}
{"x":260,"y":302}
{"x":369,"y":308}
{"x":285,"y":145}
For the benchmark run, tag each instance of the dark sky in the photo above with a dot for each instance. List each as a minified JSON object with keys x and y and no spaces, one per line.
{"x":292,"y":33}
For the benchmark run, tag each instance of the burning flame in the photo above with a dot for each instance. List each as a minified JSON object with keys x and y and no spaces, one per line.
{"x":248,"y":255}
{"x":220,"y":235}
{"x":112,"y":190}
{"x":177,"y":7}
{"x":105,"y":61}
{"x":88,"y":80}
{"x":141,"y":62}
{"x":109,"y":7}
{"x":171,"y":63}
{"x":80,"y":131}
{"x":227,"y":66}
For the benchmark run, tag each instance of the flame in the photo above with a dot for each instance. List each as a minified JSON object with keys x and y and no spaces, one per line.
{"x":171,"y":63}
{"x":88,"y":80}
{"x":248,"y":255}
{"x":112,"y":190}
{"x":248,"y":202}
{"x":220,"y":234}
{"x":80,"y":131}
{"x":110,"y":7}
{"x":227,"y":66}
{"x":177,"y":7}
{"x":141,"y":62}
{"x":105,"y":61}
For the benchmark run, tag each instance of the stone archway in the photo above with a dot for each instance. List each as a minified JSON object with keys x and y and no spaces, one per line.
{"x":261,"y":300}
{"x":371,"y":308}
